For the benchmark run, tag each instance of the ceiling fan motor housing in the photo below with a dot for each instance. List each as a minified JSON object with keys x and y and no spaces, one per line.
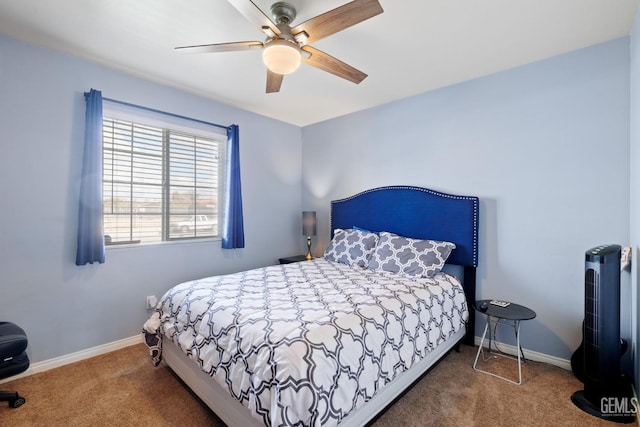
{"x":283,"y":13}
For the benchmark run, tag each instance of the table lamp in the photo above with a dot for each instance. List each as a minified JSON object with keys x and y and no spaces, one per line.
{"x":309,"y":228}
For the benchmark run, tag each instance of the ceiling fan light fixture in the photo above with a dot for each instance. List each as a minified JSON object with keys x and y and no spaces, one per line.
{"x":281,"y":56}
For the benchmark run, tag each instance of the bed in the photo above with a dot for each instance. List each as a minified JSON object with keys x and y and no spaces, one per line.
{"x":328,"y":342}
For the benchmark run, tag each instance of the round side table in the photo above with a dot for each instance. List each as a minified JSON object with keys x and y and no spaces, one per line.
{"x":511,"y":315}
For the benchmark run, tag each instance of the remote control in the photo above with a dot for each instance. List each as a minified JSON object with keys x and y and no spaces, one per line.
{"x":499,"y":303}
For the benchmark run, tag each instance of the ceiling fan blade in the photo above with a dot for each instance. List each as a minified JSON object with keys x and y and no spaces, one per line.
{"x":274,"y":81}
{"x":328,"y":63}
{"x":255,"y":15}
{"x":337,"y":19}
{"x":221,"y":47}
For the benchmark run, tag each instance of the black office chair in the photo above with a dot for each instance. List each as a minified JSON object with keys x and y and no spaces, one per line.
{"x":13,"y":359}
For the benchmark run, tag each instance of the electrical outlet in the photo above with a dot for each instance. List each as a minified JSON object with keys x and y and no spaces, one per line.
{"x":151,"y":302}
{"x":625,"y":258}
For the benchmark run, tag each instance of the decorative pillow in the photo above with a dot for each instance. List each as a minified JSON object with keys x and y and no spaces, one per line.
{"x":397,"y":254}
{"x":351,"y":247}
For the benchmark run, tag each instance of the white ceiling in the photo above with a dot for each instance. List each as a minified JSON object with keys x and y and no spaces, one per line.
{"x":413,"y":47}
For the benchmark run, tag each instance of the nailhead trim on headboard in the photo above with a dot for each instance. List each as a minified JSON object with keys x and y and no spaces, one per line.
{"x":472,"y":199}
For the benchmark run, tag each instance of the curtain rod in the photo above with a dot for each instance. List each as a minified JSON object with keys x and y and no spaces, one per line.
{"x":128,"y":104}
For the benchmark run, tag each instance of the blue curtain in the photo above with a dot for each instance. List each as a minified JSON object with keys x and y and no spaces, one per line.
{"x":90,"y":227}
{"x":233,"y":231}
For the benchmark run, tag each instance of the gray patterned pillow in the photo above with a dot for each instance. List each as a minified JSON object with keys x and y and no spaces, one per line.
{"x":351,"y":247}
{"x":397,"y":254}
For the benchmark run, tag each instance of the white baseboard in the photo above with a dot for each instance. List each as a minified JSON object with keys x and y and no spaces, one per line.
{"x":56,"y":362}
{"x":126,"y":342}
{"x":530,"y":354}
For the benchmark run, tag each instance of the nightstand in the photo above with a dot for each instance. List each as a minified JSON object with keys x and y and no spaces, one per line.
{"x":290,"y":259}
{"x":511,"y":315}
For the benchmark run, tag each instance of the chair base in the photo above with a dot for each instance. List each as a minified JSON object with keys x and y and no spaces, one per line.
{"x":14,"y":399}
{"x":13,"y":359}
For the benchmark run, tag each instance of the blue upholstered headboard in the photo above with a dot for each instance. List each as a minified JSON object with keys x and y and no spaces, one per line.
{"x":422,"y":214}
{"x":414,"y":212}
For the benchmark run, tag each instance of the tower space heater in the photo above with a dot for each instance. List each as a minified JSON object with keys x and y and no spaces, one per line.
{"x":602,"y":348}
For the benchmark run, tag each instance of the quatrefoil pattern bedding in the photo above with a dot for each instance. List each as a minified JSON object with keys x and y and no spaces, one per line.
{"x":308,"y":342}
{"x":351,"y":247}
{"x":415,"y":257}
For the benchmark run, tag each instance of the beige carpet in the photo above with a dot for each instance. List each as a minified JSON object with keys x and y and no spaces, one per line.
{"x":122,"y":388}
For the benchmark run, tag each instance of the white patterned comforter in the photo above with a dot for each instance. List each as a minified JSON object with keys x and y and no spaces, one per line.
{"x":306,"y":343}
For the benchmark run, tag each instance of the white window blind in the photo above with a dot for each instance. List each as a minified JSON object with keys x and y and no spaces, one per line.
{"x":160,"y":183}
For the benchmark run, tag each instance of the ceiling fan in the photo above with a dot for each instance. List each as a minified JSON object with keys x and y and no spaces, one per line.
{"x":285,"y":46}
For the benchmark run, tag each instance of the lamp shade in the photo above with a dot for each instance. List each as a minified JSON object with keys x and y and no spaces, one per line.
{"x":309,"y":223}
{"x":281,"y":56}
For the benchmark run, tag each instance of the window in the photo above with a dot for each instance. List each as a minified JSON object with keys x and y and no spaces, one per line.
{"x":161,"y":181}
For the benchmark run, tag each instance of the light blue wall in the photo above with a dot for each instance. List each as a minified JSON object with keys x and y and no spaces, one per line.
{"x":635,"y":183}
{"x":546,"y":148}
{"x":65,"y":308}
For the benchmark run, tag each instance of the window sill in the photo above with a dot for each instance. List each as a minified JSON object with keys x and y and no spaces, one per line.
{"x":165,"y":243}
